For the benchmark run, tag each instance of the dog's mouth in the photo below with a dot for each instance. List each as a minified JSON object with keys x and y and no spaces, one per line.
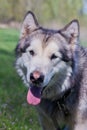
{"x":35,"y":92}
{"x":36,"y":83}
{"x":34,"y":95}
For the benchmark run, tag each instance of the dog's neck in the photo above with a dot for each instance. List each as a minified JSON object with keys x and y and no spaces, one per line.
{"x":80,"y":59}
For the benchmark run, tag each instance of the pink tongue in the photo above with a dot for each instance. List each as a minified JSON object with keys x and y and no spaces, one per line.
{"x":32,"y":98}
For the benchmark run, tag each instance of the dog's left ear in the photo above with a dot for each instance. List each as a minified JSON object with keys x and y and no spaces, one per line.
{"x":29,"y":24}
{"x":71,"y":32}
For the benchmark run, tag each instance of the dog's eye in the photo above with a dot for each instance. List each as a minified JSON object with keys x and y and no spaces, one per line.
{"x":53,"y":56}
{"x":32,"y":53}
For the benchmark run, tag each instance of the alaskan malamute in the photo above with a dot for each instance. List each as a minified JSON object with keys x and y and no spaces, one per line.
{"x":54,"y":67}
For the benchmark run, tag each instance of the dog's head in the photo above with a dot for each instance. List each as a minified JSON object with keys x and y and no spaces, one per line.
{"x":44,"y":53}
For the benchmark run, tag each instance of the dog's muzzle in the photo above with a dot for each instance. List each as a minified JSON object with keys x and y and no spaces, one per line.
{"x":34,"y":93}
{"x":36,"y":77}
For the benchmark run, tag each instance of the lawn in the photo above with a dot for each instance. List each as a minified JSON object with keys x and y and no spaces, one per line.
{"x":15,"y":113}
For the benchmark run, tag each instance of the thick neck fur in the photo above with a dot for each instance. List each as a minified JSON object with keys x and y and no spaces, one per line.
{"x":79,"y":68}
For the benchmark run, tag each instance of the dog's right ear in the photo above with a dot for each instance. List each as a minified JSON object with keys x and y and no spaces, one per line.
{"x":29,"y":24}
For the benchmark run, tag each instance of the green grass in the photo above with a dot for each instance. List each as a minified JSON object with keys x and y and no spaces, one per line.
{"x":15,"y":113}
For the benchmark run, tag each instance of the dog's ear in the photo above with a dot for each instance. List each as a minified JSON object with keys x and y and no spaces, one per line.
{"x":71,"y":32}
{"x":29,"y":24}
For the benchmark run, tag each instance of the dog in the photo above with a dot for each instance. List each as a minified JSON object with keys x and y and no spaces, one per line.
{"x":53,"y":64}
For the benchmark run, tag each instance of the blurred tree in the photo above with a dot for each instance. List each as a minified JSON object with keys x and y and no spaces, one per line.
{"x":4,"y":10}
{"x":61,"y":10}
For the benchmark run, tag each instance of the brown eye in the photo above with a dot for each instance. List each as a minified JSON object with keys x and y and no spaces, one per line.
{"x":53,"y":56}
{"x":31,"y":52}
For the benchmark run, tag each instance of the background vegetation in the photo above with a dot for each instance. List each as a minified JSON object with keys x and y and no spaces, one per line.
{"x":61,"y":10}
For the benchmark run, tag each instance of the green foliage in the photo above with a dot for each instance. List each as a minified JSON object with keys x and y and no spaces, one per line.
{"x":46,"y":10}
{"x":15,"y":113}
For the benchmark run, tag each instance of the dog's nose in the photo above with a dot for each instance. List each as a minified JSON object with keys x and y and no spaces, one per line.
{"x":36,"y":77}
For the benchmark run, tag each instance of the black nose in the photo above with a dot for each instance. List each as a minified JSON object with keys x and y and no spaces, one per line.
{"x":36,"y":77}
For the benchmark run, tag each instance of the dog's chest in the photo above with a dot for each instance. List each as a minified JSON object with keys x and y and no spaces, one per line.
{"x":57,"y":111}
